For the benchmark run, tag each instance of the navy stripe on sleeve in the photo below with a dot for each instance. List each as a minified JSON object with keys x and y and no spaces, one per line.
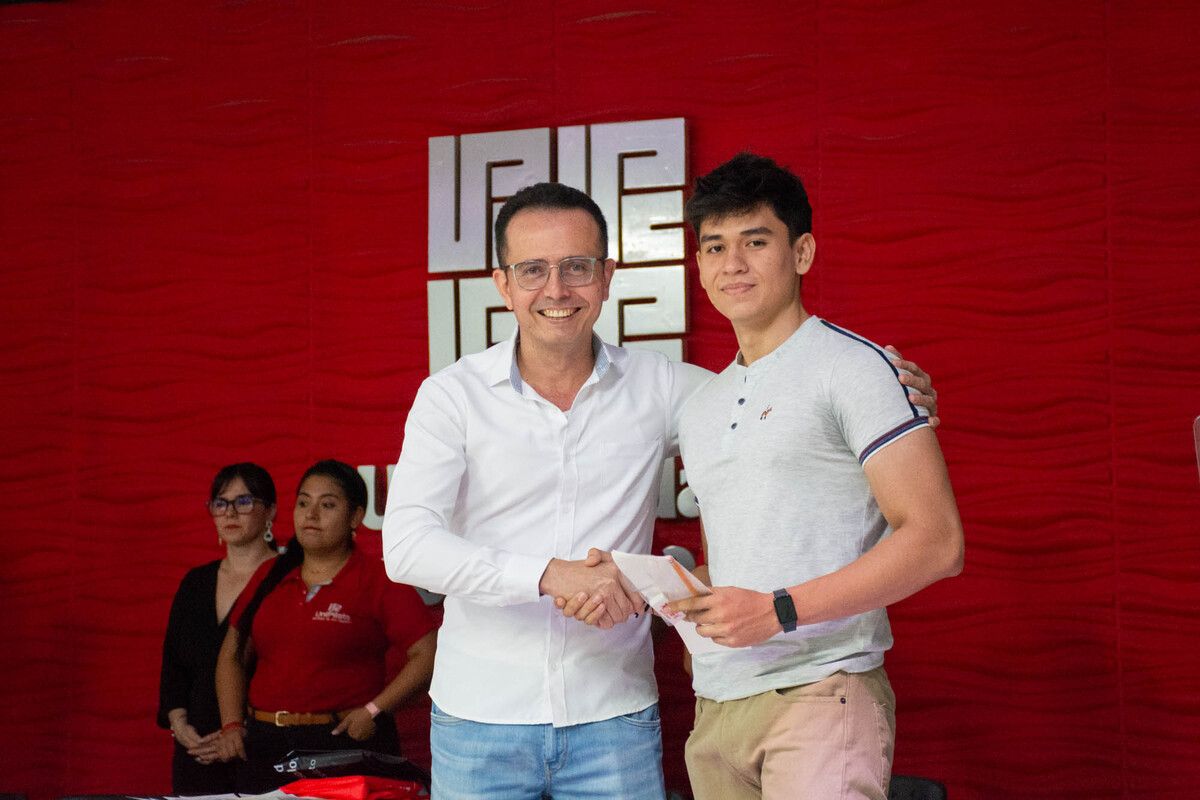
{"x":882,"y":354}
{"x":890,"y":436}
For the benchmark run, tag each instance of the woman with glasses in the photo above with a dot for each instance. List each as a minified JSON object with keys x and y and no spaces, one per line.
{"x":242,"y":504}
{"x":322,"y":631}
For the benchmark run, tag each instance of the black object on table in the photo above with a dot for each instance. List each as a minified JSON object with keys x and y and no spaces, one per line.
{"x":339,"y":763}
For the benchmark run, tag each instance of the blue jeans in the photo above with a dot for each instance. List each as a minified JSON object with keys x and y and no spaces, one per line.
{"x":614,"y":758}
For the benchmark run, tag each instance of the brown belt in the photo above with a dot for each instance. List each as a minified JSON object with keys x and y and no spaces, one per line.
{"x":284,"y":719}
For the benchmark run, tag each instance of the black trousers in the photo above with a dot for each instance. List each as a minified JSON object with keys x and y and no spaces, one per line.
{"x":267,"y":744}
{"x":188,"y":777}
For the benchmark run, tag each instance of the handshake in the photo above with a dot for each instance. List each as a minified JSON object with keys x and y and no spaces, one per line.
{"x":592,"y":590}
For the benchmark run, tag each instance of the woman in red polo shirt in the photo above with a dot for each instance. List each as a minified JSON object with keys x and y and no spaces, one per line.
{"x":318,"y":629}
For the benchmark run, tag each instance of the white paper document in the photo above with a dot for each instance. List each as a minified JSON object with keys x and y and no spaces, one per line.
{"x":661,"y":580}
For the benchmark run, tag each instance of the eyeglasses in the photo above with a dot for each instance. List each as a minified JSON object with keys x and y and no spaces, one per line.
{"x":572,"y":271}
{"x":242,"y":504}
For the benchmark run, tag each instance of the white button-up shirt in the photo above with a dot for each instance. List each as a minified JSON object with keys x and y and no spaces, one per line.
{"x":493,"y":481}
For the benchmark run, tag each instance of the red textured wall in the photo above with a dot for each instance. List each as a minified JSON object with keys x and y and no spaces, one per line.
{"x":212,"y":238}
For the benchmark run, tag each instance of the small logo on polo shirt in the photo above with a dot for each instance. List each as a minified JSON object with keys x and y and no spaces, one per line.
{"x":766,"y":411}
{"x":332,"y":614}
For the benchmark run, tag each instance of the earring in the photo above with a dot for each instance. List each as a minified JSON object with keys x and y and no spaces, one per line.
{"x":268,"y":537}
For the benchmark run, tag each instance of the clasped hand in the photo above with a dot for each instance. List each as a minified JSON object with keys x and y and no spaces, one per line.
{"x":201,"y":748}
{"x":591,"y":590}
{"x":230,"y":744}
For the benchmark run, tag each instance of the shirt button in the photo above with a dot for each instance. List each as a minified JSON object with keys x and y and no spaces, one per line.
{"x":741,"y":400}
{"x":734,"y":425}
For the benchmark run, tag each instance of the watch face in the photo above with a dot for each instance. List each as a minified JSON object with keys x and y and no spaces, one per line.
{"x":785,"y":610}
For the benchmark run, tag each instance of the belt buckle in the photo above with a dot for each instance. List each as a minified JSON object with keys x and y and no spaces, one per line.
{"x":278,"y":722}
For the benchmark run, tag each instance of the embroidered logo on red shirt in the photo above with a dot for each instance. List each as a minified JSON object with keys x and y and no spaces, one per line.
{"x":766,"y":411}
{"x":332,"y":614}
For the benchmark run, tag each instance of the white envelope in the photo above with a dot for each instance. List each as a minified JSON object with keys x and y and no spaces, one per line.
{"x":661,"y":580}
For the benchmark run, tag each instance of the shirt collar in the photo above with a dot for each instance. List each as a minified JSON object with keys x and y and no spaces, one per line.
{"x":503,"y":367}
{"x":350,"y":565}
{"x":784,"y":346}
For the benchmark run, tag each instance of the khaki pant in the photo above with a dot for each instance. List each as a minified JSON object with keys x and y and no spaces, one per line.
{"x":823,"y":741}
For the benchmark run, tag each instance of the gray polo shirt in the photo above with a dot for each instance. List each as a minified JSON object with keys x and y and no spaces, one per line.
{"x":775,"y":454}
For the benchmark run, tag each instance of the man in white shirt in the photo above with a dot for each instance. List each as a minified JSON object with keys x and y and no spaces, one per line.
{"x":824,"y":498}
{"x":516,"y":463}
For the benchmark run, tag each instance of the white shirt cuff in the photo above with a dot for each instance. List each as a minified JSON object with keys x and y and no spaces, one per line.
{"x":522,"y":574}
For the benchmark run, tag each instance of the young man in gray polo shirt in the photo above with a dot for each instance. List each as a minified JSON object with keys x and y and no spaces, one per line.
{"x":824,"y":498}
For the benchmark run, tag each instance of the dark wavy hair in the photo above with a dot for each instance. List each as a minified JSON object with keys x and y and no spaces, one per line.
{"x":354,"y":486}
{"x":742,"y":184}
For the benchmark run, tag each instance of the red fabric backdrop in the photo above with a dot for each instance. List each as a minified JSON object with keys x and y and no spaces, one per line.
{"x":213,"y":228}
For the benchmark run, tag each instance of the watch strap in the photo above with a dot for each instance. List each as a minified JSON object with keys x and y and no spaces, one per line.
{"x":785,"y":610}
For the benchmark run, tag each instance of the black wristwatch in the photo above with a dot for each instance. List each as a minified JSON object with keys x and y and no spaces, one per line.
{"x":785,"y":610}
